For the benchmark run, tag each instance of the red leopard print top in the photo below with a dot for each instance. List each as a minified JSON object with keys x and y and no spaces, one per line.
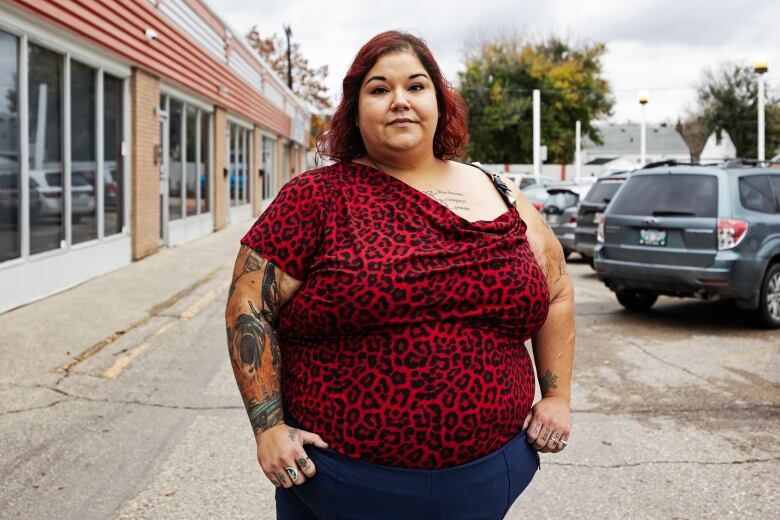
{"x":404,"y":344}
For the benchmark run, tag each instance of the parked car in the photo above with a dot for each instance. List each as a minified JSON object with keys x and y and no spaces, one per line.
{"x":700,"y":231}
{"x":560,"y":211}
{"x":590,"y":209}
{"x":536,"y":195}
{"x":46,"y":195}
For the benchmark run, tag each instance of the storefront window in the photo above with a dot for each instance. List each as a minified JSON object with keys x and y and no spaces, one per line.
{"x":83,"y":157}
{"x":191,"y":178}
{"x":113,"y":171}
{"x":238,"y":158}
{"x":10,"y":172}
{"x":175,"y":161}
{"x":47,"y":225}
{"x":203,"y":163}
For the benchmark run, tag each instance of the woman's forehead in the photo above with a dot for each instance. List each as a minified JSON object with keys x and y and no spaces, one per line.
{"x":397,"y":64}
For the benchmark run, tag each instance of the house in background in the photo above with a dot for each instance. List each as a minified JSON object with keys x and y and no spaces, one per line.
{"x":621,"y":147}
{"x":717,"y":148}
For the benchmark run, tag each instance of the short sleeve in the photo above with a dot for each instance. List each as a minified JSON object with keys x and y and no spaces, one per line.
{"x":289,"y":232}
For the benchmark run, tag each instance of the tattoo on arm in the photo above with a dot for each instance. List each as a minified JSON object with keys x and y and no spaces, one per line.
{"x":253,"y":346}
{"x":547,"y":382}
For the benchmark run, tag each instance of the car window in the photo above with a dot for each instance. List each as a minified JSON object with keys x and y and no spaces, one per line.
{"x":775,"y":182}
{"x":756,"y":194}
{"x":561,"y":199}
{"x":603,"y":191}
{"x":668,"y":195}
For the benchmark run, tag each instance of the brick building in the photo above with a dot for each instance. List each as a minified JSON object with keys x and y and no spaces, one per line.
{"x":127,"y":126}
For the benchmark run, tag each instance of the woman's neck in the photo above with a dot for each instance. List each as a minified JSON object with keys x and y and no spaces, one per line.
{"x":402,"y":166}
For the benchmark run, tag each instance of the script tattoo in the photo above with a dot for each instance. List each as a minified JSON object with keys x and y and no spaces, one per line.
{"x":252,"y":342}
{"x":547,"y":382}
{"x":449,"y":199}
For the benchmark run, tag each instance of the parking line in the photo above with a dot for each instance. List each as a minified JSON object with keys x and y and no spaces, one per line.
{"x":203,"y":301}
{"x":747,"y":353}
{"x":122,"y":362}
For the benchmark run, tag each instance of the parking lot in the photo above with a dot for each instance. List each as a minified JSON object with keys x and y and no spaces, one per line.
{"x":675,"y":414}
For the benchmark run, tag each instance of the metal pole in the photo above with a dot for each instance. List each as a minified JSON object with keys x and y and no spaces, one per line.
{"x":288,"y":32}
{"x":761,"y":129}
{"x":577,"y":143}
{"x":643,"y":139}
{"x":537,"y":123}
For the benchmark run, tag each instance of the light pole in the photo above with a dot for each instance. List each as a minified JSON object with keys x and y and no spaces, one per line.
{"x":643,"y":95}
{"x":537,"y":140}
{"x":288,"y":32}
{"x":761,"y":65}
{"x":577,"y":144}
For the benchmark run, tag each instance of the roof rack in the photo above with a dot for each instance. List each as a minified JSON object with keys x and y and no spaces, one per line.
{"x":673,"y":162}
{"x":741,"y":162}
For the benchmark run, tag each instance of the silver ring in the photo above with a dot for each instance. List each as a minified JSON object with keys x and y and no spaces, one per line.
{"x":292,"y":472}
{"x":565,"y":443}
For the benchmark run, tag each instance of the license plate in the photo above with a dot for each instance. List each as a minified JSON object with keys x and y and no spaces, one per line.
{"x":652,"y":237}
{"x":597,"y":217}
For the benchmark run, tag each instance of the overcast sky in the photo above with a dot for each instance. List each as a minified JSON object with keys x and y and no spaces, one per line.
{"x":659,"y":45}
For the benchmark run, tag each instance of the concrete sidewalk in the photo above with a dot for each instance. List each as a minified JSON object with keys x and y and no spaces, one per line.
{"x":39,"y":342}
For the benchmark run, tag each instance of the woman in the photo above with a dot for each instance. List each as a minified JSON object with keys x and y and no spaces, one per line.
{"x":379,"y":309}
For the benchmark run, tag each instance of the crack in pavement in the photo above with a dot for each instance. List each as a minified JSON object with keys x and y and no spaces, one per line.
{"x":651,"y":462}
{"x":73,"y":397}
{"x":663,"y":411}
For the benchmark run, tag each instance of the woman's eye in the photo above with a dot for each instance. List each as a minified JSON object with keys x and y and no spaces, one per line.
{"x":416,"y":87}
{"x":379,"y":90}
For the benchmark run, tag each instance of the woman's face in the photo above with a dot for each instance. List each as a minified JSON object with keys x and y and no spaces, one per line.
{"x":397,"y":109}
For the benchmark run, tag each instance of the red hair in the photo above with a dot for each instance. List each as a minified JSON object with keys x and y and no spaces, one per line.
{"x":342,"y":140}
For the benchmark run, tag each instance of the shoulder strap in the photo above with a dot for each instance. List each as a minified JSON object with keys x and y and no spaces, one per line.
{"x":498,"y":182}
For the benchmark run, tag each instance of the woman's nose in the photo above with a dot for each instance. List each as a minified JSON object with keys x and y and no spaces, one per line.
{"x":399,"y":100}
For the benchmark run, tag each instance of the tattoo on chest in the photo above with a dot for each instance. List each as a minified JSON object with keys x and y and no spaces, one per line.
{"x":449,"y":199}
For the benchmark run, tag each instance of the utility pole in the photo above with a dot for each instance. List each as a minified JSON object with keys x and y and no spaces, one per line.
{"x":288,"y":32}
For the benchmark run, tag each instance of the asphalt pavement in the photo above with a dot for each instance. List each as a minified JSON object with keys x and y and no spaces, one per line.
{"x":117,"y":401}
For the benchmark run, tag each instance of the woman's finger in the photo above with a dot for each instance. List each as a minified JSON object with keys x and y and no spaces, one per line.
{"x":284,"y":480}
{"x":534,"y":430}
{"x":543,"y":438}
{"x":294,"y":473}
{"x":312,"y":438}
{"x":305,"y":465}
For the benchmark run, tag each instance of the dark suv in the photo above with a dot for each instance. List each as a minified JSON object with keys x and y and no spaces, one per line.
{"x":591,"y":208}
{"x":701,"y":231}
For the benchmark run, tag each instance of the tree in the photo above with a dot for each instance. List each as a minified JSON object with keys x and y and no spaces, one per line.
{"x":728,"y":100}
{"x":497,"y":86}
{"x":308,"y":83}
{"x":695,"y":131}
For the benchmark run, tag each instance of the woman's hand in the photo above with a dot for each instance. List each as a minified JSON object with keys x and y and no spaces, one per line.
{"x":549,"y":425}
{"x":281,"y":447}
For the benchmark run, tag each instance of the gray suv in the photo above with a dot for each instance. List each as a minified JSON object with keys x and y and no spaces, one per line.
{"x":589,"y":211}
{"x":712,"y":232}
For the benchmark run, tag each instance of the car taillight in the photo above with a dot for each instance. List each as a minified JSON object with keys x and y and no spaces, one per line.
{"x":109,"y":187}
{"x":731,"y":232}
{"x":600,"y":230}
{"x":538,"y":206}
{"x":572,"y":219}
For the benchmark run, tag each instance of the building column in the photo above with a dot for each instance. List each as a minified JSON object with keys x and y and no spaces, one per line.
{"x":220,"y":182}
{"x":146,"y":154}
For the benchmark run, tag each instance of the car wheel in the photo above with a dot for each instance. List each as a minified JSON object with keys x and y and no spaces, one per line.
{"x":769,"y":304}
{"x":636,"y":300}
{"x":591,"y":262}
{"x":566,"y":253}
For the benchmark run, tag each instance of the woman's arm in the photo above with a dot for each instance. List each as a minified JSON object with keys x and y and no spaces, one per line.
{"x":553,"y":344}
{"x":258,"y":291}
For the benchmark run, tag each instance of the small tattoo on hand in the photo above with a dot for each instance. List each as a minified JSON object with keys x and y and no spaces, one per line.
{"x":292,"y":433}
{"x":303,"y":462}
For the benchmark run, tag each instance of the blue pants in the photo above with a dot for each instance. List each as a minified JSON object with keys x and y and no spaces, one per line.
{"x":347,"y":489}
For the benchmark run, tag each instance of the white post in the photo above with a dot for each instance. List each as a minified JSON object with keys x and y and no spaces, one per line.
{"x":537,"y":124}
{"x":643,"y":139}
{"x":761,"y":129}
{"x":643,"y":97}
{"x":577,"y":143}
{"x":40,"y":129}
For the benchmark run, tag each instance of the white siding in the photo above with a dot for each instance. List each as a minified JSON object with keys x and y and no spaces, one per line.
{"x":194,"y":26}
